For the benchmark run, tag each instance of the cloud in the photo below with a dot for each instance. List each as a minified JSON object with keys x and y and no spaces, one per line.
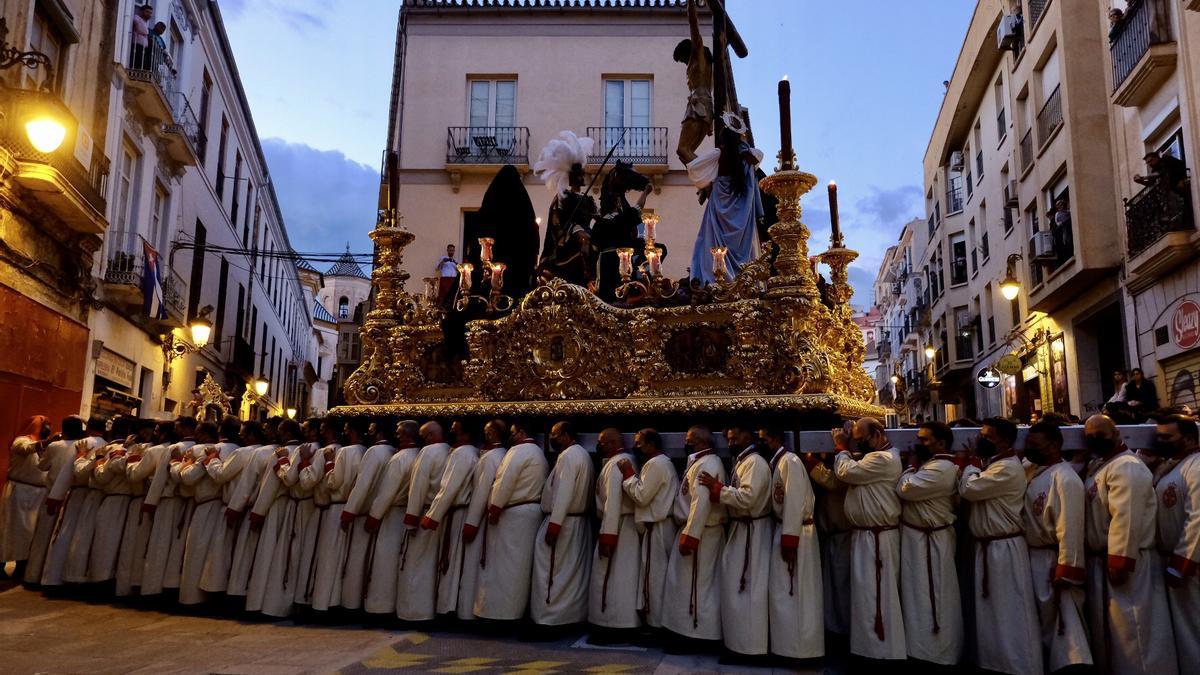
{"x":893,"y":207}
{"x":298,"y":19}
{"x":328,"y":200}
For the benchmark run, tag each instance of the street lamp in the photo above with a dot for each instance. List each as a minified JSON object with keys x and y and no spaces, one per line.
{"x":201,"y":329}
{"x":291,"y":413}
{"x":930,"y":352}
{"x":1010,"y":287}
{"x":46,"y":133}
{"x":261,"y":385}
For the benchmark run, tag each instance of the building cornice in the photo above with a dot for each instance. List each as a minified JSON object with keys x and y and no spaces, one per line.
{"x":589,"y":6}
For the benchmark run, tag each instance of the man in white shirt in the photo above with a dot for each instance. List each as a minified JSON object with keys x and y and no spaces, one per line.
{"x":562,"y":551}
{"x":653,"y":492}
{"x":447,"y":273}
{"x":140,"y":34}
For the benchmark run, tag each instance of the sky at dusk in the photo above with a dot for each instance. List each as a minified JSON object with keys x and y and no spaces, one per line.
{"x":867,"y":85}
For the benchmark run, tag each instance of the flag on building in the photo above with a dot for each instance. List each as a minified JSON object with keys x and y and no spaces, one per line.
{"x":152,"y":290}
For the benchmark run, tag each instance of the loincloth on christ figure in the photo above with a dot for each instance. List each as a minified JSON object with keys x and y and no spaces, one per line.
{"x":700,"y":107}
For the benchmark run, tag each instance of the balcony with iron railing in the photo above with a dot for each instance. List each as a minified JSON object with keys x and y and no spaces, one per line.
{"x":183,"y":134}
{"x":1027,"y":152}
{"x":487,"y":145}
{"x":1159,"y":228}
{"x":1050,"y":117}
{"x":124,"y":270}
{"x":1001,"y":126}
{"x":151,"y":76}
{"x":958,"y":271}
{"x":634,"y":145}
{"x":1037,"y":9}
{"x":1143,"y":52}
{"x":954,"y":196}
{"x":71,"y":181}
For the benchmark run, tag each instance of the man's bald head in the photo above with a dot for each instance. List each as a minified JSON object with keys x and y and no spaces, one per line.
{"x":611,"y":441}
{"x":407,"y":433}
{"x":431,"y":432}
{"x":1100,"y":425}
{"x":868,"y":431}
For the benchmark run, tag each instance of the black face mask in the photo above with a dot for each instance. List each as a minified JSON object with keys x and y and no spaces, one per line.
{"x":985,"y":448}
{"x":1165,"y":449}
{"x":1099,"y":445}
{"x":922,"y":452}
{"x":689,"y":448}
{"x":1036,"y":455}
{"x":864,"y":446}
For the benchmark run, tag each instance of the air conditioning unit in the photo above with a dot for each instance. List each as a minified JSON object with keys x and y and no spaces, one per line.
{"x":957,"y":161}
{"x":1043,"y":246}
{"x":1011,"y":198}
{"x":1008,"y":32}
{"x":896,"y":287}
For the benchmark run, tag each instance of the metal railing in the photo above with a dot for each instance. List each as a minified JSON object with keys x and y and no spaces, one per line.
{"x":150,"y":63}
{"x":1064,"y":243}
{"x":958,"y":271}
{"x":1050,"y":118}
{"x":124,"y":265}
{"x":1037,"y":8}
{"x":185,"y":122}
{"x":1002,"y":124}
{"x":636,"y":145}
{"x":1027,"y":151}
{"x":1146,"y":23}
{"x":954,"y":198}
{"x":487,"y":145}
{"x":1154,"y":212}
{"x":964,"y":346}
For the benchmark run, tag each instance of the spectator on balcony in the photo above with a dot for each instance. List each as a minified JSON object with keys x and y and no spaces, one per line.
{"x":140,"y":31}
{"x":1119,"y":379}
{"x":1166,"y":171}
{"x":159,"y":54}
{"x":1062,"y":212}
{"x":1116,"y":16}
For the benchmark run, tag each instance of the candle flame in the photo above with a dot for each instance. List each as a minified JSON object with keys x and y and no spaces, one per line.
{"x":785,"y":78}
{"x":833,"y":184}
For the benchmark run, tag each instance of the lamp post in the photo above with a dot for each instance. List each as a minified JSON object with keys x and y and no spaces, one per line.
{"x":45,"y":132}
{"x":1011,"y":286}
{"x":200,"y":328}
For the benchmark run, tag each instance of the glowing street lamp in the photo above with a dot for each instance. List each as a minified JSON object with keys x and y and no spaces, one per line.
{"x":261,"y":386}
{"x":930,"y":352}
{"x":1011,"y":286}
{"x":201,"y":329}
{"x":46,"y":134}
{"x":291,"y":413}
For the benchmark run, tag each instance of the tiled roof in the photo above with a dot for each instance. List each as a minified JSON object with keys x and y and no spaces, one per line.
{"x":346,"y":267}
{"x":305,"y":265}
{"x":322,"y":314}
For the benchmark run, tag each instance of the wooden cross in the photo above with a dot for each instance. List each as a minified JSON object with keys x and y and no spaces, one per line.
{"x":725,"y":36}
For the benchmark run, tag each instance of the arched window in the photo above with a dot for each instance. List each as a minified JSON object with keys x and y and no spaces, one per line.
{"x":344,"y":308}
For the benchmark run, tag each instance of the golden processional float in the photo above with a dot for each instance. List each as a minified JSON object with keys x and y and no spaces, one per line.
{"x":762,"y":347}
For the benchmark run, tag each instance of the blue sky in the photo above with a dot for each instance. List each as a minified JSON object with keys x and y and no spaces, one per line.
{"x":867,"y":84}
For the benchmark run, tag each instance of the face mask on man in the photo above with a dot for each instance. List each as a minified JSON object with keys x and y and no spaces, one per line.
{"x":864,"y":446}
{"x":1164,"y":448}
{"x":985,"y":448}
{"x":1035,"y":454}
{"x":1099,"y":446}
{"x":922,"y":452}
{"x":689,"y":448}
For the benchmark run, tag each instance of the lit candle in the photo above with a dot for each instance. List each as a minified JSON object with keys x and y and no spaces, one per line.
{"x":485,"y":246}
{"x":654,"y":260}
{"x":431,"y":289}
{"x":626,"y":257}
{"x":719,"y":269}
{"x":835,"y":236}
{"x":650,"y":220}
{"x":498,"y":276}
{"x":785,"y":124}
{"x":464,"y":276}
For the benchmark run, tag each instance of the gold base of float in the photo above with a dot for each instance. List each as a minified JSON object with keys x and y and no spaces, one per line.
{"x":764,"y":345}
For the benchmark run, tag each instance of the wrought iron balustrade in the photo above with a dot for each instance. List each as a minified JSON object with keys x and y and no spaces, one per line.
{"x":124,"y":265}
{"x":1154,"y":212}
{"x":151,"y":64}
{"x":1036,"y":9}
{"x":487,"y":145}
{"x":635,"y":145}
{"x":954,"y":198}
{"x":958,"y":271}
{"x":1146,"y":23}
{"x":1050,"y":118}
{"x":185,"y":122}
{"x":1027,"y":151}
{"x":1001,"y":125}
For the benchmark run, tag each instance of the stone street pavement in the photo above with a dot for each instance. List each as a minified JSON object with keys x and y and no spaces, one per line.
{"x":52,"y":635}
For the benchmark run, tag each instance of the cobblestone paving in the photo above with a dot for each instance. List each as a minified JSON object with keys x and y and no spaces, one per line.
{"x":56,"y":635}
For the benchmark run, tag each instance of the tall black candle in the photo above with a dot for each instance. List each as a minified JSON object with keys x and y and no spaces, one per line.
{"x":785,"y":125}
{"x":834,"y":220}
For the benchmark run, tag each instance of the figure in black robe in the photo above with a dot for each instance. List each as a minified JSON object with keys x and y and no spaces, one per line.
{"x":507,"y":216}
{"x":567,"y":249}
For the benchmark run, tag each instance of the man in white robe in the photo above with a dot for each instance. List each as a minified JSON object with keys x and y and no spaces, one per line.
{"x":562,"y":552}
{"x":312,"y":502}
{"x":79,"y":554}
{"x":835,"y":534}
{"x":23,"y":494}
{"x":136,"y":533}
{"x":692,"y":599}
{"x":234,"y":455}
{"x":77,"y":500}
{"x":613,"y":594}
{"x":333,"y":550}
{"x":1178,"y":496}
{"x":354,"y":518}
{"x":1054,"y":530}
{"x":483,"y":475}
{"x":109,"y":477}
{"x":241,"y":500}
{"x":929,"y":596}
{"x":206,"y":519}
{"x":746,"y":556}
{"x":445,"y":517}
{"x":53,"y":462}
{"x":416,"y":581}
{"x":1008,"y":634}
{"x":795,"y":598}
{"x":385,"y":522}
{"x":653,"y":492}
{"x":166,"y":507}
{"x":514,"y":514}
{"x":873,"y":511}
{"x":1127,"y":603}
{"x":271,"y":516}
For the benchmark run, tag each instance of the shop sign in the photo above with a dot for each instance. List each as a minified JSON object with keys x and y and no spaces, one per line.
{"x":115,"y":368}
{"x":1185,"y":325}
{"x":988,"y":378}
{"x":1009,"y":364}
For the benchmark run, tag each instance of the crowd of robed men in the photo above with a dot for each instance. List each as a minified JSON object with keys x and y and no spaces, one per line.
{"x":1065,"y":565}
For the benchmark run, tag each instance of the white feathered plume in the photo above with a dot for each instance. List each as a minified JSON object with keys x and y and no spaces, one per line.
{"x":554,"y":166}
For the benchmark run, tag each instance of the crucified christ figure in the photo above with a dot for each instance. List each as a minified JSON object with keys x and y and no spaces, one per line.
{"x":698,"y":120}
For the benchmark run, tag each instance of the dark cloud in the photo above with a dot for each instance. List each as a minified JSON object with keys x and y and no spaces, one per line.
{"x":328,"y":200}
{"x":892,"y":207}
{"x":299,"y":19}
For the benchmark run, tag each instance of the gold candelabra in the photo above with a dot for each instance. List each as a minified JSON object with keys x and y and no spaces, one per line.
{"x":651,"y":285}
{"x":494,"y":301}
